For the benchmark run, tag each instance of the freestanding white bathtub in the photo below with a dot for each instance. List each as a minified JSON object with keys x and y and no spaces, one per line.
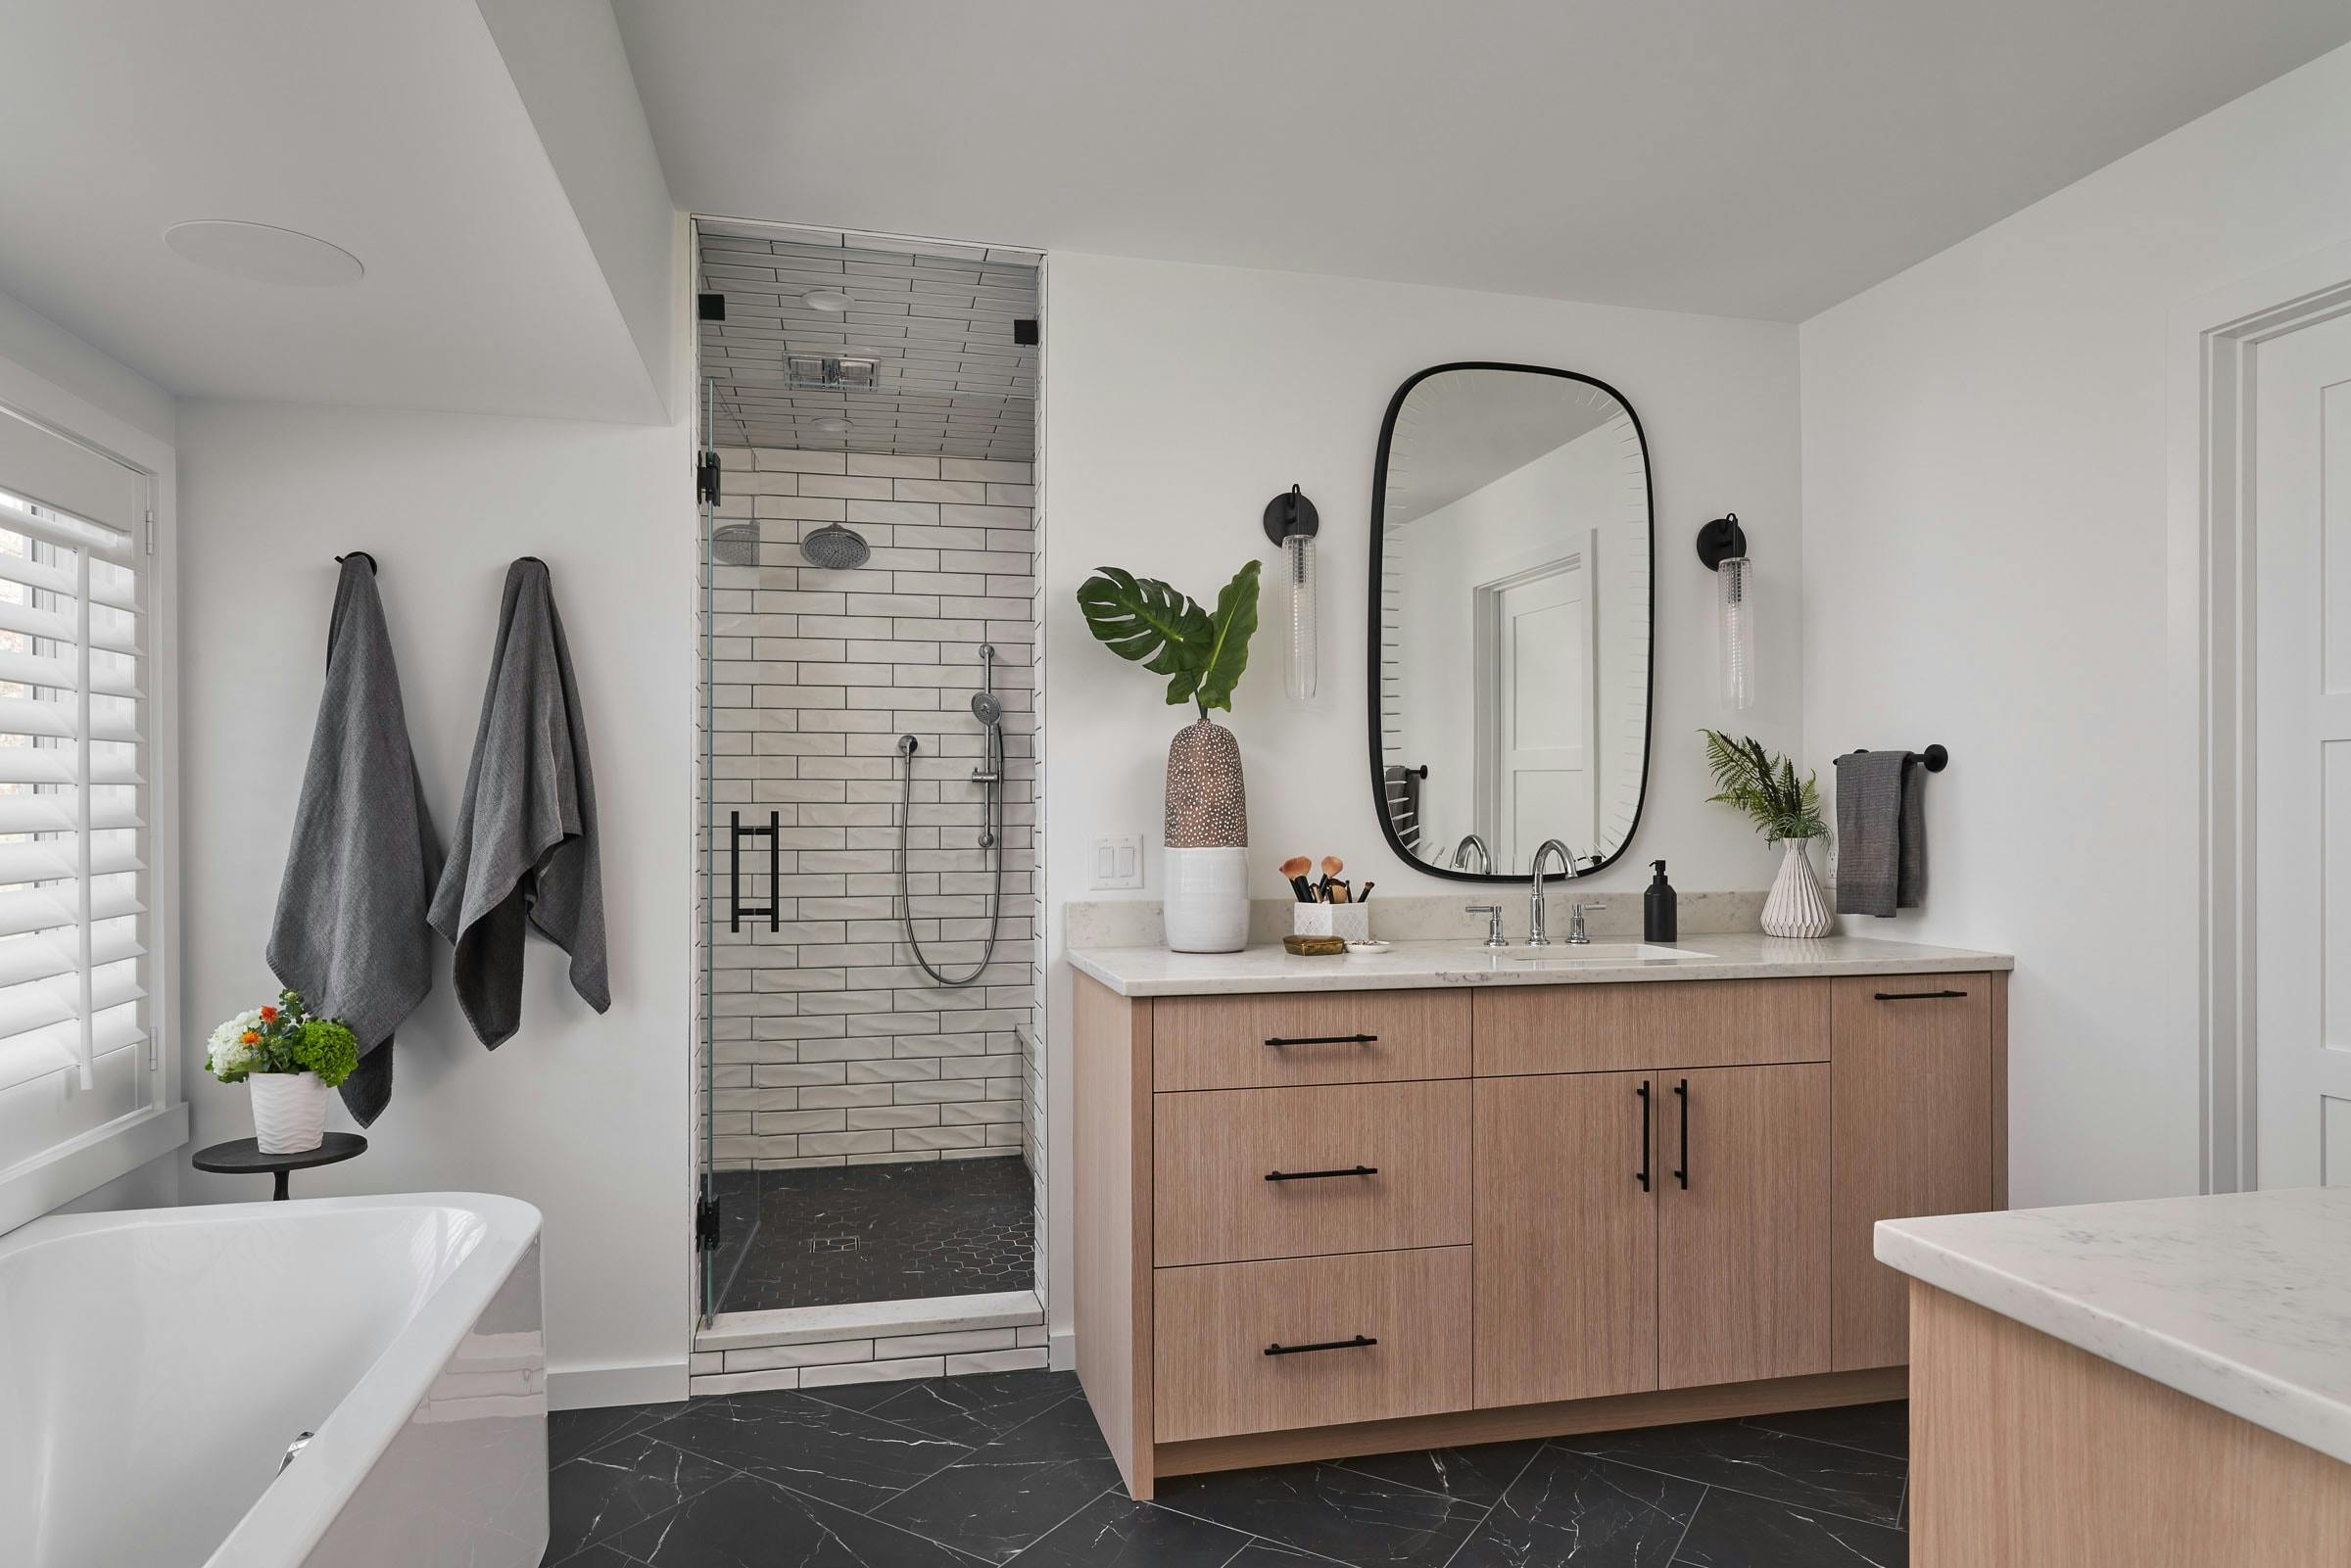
{"x":155,"y":1365}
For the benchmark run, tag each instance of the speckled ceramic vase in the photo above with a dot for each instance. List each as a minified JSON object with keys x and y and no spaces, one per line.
{"x":1207,"y":839}
{"x":1797,"y":906}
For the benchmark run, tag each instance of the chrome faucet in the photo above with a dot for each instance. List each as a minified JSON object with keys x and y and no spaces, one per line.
{"x":1471,"y":844}
{"x":1536,"y":935}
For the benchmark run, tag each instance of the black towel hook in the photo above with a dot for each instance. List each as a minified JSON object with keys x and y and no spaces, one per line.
{"x":363,"y":555}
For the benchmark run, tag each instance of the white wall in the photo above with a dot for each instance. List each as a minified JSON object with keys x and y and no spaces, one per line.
{"x":1180,"y":398}
{"x":1984,"y":450}
{"x":586,"y":1117}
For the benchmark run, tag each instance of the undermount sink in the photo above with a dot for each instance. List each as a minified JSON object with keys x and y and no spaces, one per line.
{"x":1587,"y":953}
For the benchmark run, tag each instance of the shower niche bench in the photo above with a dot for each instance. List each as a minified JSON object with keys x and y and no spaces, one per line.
{"x":1472,"y":1205}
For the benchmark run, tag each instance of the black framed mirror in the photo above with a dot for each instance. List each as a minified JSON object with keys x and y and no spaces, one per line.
{"x":1511,"y":640}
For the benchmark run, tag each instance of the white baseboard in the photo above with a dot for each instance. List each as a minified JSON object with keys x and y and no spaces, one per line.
{"x":588,"y":1388}
{"x":1061,"y":1350}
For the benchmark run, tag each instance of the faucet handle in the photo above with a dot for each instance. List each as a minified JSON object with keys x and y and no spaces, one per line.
{"x":1493,"y":914}
{"x":1575,"y":923}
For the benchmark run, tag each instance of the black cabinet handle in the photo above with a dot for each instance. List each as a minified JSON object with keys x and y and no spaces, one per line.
{"x":1642,"y":1175}
{"x":1681,"y":1092}
{"x":1918,"y":996}
{"x":1323,"y":1039}
{"x":1355,"y":1344}
{"x":1317,"y":1175}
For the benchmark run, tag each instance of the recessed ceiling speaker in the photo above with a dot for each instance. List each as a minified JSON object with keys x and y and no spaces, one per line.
{"x":260,"y":253}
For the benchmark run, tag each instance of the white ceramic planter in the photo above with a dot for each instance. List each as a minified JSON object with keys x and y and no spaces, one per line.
{"x":1797,"y":907}
{"x":289,"y":1112}
{"x":1207,"y":905}
{"x":1352,"y":921}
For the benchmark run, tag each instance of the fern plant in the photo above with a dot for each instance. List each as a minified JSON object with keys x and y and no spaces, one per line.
{"x":1202,"y":652}
{"x":1765,"y":788}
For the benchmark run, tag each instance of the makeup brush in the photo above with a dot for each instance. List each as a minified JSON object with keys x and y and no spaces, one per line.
{"x":1364,"y":897}
{"x":1295,"y":869}
{"x":1333,"y":864}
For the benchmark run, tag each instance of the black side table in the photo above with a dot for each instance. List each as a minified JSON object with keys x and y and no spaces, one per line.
{"x":244,"y":1158}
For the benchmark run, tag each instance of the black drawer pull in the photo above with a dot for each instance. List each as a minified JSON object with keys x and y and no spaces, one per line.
{"x":1682,"y":1092}
{"x":1355,"y":1344}
{"x":1642,"y":1175}
{"x":1918,"y":996}
{"x":1317,"y":1175}
{"x":1324,"y":1040}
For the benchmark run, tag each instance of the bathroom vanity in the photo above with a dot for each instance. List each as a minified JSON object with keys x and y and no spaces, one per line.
{"x":1331,"y":1207}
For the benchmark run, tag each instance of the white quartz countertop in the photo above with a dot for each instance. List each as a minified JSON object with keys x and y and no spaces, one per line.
{"x":1406,"y":966}
{"x":2240,"y":1299}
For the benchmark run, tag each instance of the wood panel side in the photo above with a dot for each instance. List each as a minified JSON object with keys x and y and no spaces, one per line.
{"x":1999,"y":1088}
{"x":1743,"y":1249}
{"x":1112,"y":1038}
{"x":1460,"y":1429}
{"x":1912,"y":1081}
{"x":1644,"y":1024}
{"x":2026,"y":1451}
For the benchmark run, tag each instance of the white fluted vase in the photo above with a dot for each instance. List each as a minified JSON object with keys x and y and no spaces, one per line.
{"x":289,"y":1112}
{"x":1797,"y":905}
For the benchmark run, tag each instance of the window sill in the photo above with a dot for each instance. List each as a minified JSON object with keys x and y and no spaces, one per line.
{"x":64,"y":1173}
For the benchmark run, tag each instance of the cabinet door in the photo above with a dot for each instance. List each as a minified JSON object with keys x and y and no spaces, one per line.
{"x":1912,"y":1061}
{"x":1743,"y":1224}
{"x":1565,"y":1262}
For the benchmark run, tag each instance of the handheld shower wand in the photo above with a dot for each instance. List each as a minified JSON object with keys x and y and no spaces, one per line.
{"x":989,"y":709}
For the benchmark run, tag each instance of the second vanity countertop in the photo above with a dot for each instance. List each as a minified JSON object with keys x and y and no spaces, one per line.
{"x":2240,"y":1299}
{"x":1407,"y":965}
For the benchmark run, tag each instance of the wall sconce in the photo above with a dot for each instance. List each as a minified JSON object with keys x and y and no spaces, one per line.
{"x":1291,"y":522}
{"x":1722,"y":547}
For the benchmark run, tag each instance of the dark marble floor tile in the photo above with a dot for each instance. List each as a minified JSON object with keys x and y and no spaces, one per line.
{"x":1883,"y":1428}
{"x":973,"y":1409}
{"x":1476,"y":1475}
{"x":1112,"y":1532}
{"x":863,"y":1397}
{"x":593,"y":1558}
{"x":742,"y":1521}
{"x":1796,"y":1470}
{"x":1336,"y":1512}
{"x":824,"y":1235}
{"x":1014,"y":1490}
{"x":1735,"y":1531}
{"x":603,"y":1491}
{"x":572,"y":1433}
{"x":821,"y":1449}
{"x":1573,"y":1508}
{"x":1273,"y":1555}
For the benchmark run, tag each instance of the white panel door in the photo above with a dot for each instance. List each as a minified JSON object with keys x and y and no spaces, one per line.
{"x":2302,"y":509}
{"x":1543,"y":714}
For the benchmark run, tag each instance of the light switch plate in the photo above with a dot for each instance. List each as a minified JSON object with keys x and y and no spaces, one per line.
{"x":1118,"y":862}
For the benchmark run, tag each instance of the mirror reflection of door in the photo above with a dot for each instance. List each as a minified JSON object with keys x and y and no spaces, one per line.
{"x":1511,"y":614}
{"x":1536,"y":707}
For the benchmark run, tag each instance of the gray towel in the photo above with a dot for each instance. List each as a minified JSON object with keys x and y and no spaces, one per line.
{"x":1881,"y":832}
{"x":351,"y":933}
{"x":526,"y":840}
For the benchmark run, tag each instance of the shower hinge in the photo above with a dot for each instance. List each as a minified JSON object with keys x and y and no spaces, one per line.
{"x":705,"y":1226}
{"x":705,"y":480}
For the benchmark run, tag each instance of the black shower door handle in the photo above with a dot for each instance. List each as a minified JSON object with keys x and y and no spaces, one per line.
{"x":736,"y":910}
{"x":1681,"y":1092}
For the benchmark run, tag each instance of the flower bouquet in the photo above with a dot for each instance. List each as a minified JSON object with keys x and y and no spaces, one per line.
{"x":289,"y":1060}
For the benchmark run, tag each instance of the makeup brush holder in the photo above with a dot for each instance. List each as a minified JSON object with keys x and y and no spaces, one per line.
{"x":1352,"y":921}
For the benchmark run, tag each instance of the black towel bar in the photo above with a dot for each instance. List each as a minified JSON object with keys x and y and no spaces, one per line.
{"x":1934,"y":759}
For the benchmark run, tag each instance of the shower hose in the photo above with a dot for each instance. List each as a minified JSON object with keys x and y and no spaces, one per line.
{"x":992,"y":840}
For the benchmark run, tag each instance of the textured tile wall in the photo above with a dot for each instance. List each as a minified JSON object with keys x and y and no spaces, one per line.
{"x":831,"y":1045}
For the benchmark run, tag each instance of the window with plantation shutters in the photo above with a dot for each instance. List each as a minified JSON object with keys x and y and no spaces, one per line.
{"x":74,"y":794}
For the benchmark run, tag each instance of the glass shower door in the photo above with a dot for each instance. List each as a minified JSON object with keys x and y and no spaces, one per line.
{"x":707,"y":1211}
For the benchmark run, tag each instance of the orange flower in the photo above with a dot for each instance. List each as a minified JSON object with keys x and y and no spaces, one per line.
{"x":251,"y":1037}
{"x":269,"y":1015}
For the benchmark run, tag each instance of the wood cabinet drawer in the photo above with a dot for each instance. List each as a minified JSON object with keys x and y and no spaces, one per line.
{"x":1217,"y":1324}
{"x":1240,"y":1042}
{"x":1218,"y":1154}
{"x":1611,"y":1028}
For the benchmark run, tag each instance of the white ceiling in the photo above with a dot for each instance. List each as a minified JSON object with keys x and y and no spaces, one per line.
{"x":937,"y":321}
{"x":393,"y":131}
{"x":1726,"y":156}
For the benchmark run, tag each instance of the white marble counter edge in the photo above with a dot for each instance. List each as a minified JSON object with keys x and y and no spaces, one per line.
{"x":2313,"y":1419}
{"x":1352,"y":974}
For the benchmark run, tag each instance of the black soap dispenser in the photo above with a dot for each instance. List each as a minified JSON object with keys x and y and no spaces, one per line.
{"x":1659,"y":913}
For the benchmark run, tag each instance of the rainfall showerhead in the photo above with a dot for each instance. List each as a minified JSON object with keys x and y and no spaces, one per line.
{"x":835,"y":549}
{"x":985,"y":708}
{"x":735,"y":544}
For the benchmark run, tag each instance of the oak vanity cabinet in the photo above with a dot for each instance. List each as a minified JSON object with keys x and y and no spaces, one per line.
{"x":1329,"y":1223}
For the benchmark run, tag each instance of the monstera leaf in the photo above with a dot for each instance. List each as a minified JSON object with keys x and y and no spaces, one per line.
{"x":1168,"y":633}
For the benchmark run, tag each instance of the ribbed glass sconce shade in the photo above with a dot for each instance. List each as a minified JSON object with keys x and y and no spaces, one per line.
{"x":1298,"y":551}
{"x":1736,"y":577}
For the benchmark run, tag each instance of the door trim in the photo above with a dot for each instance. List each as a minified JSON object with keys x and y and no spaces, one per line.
{"x":2210,"y":680}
